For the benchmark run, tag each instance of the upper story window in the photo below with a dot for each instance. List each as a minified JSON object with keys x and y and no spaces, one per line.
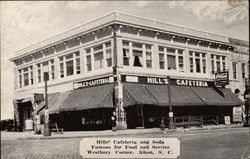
{"x":25,"y":76}
{"x":99,"y":56}
{"x":218,"y":63}
{"x":149,"y":59}
{"x":197,"y":62}
{"x":69,"y":64}
{"x":234,"y":70}
{"x":181,"y":60}
{"x":137,"y":54}
{"x":161,"y":57}
{"x":51,"y":68}
{"x":108,"y":54}
{"x":137,"y":58}
{"x":243,"y":66}
{"x":171,"y":59}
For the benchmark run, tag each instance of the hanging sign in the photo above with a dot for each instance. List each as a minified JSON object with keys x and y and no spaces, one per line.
{"x":222,"y":78}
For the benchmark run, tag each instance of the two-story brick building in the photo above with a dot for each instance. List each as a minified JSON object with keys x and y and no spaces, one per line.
{"x":157,"y":64}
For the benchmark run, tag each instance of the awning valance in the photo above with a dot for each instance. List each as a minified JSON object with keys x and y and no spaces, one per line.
{"x":89,"y":98}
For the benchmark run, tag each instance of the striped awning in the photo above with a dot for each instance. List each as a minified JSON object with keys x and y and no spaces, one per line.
{"x":180,"y":95}
{"x":89,"y":98}
{"x":55,"y":101}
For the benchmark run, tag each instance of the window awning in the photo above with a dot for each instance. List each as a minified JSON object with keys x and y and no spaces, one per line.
{"x":180,"y":96}
{"x":55,"y":100}
{"x":89,"y":98}
{"x":211,"y":97}
{"x":137,"y":94}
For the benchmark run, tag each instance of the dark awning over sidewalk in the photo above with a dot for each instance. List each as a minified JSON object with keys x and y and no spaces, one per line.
{"x":137,"y":94}
{"x":180,"y":96}
{"x":89,"y":98}
{"x":55,"y":100}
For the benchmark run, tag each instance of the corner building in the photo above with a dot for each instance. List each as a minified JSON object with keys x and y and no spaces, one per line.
{"x":128,"y":67}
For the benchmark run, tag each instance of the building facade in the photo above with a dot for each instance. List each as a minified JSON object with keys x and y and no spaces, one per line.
{"x":124,"y":66}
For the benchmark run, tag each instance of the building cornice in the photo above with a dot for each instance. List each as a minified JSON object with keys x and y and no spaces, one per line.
{"x":121,"y":19}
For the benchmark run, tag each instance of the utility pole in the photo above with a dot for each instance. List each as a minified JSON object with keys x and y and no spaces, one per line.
{"x":46,"y":112}
{"x":171,"y":114}
{"x":120,"y":112}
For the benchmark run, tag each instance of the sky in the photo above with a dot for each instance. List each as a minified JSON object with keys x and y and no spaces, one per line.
{"x":24,"y":23}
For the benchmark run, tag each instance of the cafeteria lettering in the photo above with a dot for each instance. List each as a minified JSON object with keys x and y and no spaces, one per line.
{"x":154,"y":80}
{"x":191,"y":83}
{"x":93,"y":82}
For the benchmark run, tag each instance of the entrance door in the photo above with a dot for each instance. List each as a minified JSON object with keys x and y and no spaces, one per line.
{"x":25,"y":112}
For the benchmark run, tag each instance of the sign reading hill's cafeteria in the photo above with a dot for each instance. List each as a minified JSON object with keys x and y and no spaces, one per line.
{"x":164,"y":81}
{"x":93,"y":82}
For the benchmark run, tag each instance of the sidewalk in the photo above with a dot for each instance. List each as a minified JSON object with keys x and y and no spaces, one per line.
{"x":81,"y":134}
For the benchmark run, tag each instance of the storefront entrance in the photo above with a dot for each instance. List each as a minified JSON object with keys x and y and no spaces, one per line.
{"x":93,"y":119}
{"x":24,"y":110}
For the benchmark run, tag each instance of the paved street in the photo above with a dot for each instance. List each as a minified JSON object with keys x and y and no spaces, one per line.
{"x":209,"y":144}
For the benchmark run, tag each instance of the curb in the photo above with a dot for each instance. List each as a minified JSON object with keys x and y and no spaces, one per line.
{"x":182,"y":131}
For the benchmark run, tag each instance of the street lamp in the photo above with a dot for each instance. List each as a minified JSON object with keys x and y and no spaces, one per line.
{"x":46,"y":112}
